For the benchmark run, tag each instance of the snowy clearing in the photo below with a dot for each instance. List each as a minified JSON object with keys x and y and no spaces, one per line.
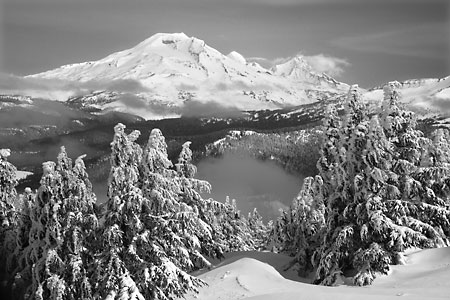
{"x":22,"y":174}
{"x":256,"y":276}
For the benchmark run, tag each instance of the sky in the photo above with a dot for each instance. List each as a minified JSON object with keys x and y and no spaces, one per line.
{"x":368,"y":42}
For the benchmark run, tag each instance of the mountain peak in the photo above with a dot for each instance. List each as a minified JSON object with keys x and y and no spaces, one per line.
{"x":171,"y":68}
{"x":298,"y":69}
{"x":165,"y":43}
{"x":164,"y":38}
{"x":237,"y":57}
{"x":295,"y":67}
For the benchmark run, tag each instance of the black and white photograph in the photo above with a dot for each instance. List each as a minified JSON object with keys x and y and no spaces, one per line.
{"x":224,"y":149}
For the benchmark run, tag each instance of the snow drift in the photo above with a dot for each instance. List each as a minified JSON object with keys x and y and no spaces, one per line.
{"x":256,"y":276}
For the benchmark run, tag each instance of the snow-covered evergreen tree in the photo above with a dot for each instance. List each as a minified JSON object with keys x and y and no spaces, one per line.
{"x":58,"y":255}
{"x":299,"y":229}
{"x":418,"y":208}
{"x":373,"y":183}
{"x":329,"y":160}
{"x":175,"y":194}
{"x":8,"y":194}
{"x":308,"y":213}
{"x":79,"y":225}
{"x":436,"y":167}
{"x":121,"y":222}
{"x":346,"y":215}
{"x":158,"y":180}
{"x":145,"y":250}
{"x":439,"y":152}
{"x":381,"y":195}
{"x":409,"y":143}
{"x":337,"y":244}
{"x":8,"y":217}
{"x":233,"y":230}
{"x":25,"y":207}
{"x":258,"y":230}
{"x":207,"y":209}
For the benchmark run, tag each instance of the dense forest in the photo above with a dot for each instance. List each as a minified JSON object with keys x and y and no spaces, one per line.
{"x":381,"y":187}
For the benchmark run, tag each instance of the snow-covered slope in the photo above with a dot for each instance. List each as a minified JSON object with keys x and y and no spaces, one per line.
{"x":425,"y":96}
{"x":174,"y":68}
{"x":22,"y":174}
{"x":298,"y":70}
{"x":256,"y":276}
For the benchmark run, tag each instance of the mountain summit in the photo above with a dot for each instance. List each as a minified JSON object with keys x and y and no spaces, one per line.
{"x":174,"y":68}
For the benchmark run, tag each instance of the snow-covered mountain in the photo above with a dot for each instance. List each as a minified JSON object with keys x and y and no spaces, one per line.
{"x":298,"y":70}
{"x":175,"y":68}
{"x":163,"y":75}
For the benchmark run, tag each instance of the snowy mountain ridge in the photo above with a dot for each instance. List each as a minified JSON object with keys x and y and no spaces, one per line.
{"x":170,"y":65}
{"x":426,"y":97}
{"x":416,"y":82}
{"x":169,"y":73}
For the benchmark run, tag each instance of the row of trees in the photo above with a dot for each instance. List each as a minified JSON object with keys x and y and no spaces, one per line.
{"x":155,"y":227}
{"x":382,"y":187}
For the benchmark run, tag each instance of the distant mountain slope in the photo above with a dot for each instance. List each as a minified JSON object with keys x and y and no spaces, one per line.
{"x":428,"y":96}
{"x":175,"y":68}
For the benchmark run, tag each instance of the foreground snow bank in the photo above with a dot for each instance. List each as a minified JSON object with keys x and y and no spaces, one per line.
{"x":425,"y":273}
{"x":256,"y":276}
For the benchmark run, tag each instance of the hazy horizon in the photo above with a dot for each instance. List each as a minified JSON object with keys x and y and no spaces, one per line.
{"x":367,"y":42}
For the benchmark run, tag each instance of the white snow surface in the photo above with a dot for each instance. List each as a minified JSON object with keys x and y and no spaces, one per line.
{"x":430,"y":95}
{"x":237,"y":57}
{"x":168,"y":65}
{"x":22,"y":174}
{"x":260,"y":276}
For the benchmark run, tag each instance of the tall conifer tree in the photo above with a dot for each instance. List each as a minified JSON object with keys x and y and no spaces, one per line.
{"x":8,"y":217}
{"x":58,"y":254}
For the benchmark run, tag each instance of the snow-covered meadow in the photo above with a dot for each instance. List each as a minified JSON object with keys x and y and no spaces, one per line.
{"x":263,"y":276}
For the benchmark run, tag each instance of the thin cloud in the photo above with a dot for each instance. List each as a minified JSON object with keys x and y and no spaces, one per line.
{"x":319,"y":63}
{"x":432,"y":38}
{"x":330,"y":65}
{"x":440,"y":105}
{"x":35,"y":87}
{"x":61,"y":90}
{"x":118,"y":85}
{"x":240,"y":85}
{"x":187,"y":87}
{"x":12,"y":82}
{"x":263,"y":62}
{"x":136,"y":103}
{"x":124,"y":85}
{"x":208,"y":109}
